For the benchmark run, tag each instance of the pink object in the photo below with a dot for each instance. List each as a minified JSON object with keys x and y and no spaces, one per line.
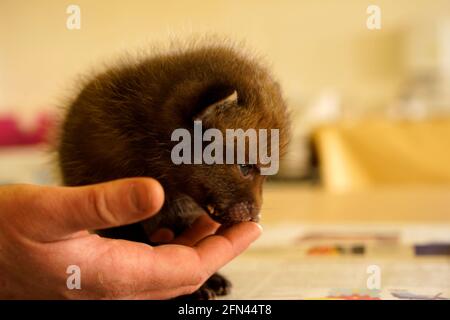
{"x":12,"y":135}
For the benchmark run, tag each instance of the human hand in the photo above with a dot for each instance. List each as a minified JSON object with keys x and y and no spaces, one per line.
{"x":43,"y":230}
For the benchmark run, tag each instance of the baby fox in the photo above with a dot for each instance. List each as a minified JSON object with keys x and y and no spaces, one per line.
{"x":121,"y":125}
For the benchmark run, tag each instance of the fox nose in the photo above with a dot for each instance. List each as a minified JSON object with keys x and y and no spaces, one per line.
{"x":243,"y":211}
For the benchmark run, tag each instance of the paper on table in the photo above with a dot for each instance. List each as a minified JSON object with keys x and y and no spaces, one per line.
{"x":279,"y":269}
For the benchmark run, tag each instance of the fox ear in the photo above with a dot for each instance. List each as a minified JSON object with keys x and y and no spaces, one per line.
{"x":211,"y":110}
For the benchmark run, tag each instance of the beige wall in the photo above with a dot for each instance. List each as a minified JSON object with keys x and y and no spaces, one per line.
{"x":312,"y":44}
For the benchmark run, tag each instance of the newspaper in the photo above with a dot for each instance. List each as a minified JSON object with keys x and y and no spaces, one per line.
{"x":283,"y":266}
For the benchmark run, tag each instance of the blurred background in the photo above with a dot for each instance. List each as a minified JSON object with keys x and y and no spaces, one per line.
{"x":367,"y":177}
{"x":369,"y":105}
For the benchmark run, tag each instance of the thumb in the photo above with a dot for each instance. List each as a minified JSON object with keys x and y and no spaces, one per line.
{"x":60,"y":211}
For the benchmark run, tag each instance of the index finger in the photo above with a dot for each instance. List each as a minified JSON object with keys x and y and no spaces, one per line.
{"x":178,"y":265}
{"x":216,"y":250}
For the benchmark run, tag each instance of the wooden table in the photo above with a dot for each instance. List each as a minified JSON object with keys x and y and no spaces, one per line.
{"x":306,"y":204}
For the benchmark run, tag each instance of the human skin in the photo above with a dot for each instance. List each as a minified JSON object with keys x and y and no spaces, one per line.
{"x":44,"y":230}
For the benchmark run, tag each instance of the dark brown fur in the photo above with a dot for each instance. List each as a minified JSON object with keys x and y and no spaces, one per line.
{"x":121,"y":122}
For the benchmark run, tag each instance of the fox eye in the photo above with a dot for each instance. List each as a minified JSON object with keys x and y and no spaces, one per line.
{"x":246,"y":169}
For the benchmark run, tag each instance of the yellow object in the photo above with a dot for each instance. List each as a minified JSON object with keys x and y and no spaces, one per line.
{"x":373,"y":153}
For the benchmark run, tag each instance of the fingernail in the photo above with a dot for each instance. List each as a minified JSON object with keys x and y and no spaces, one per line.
{"x":260,"y":227}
